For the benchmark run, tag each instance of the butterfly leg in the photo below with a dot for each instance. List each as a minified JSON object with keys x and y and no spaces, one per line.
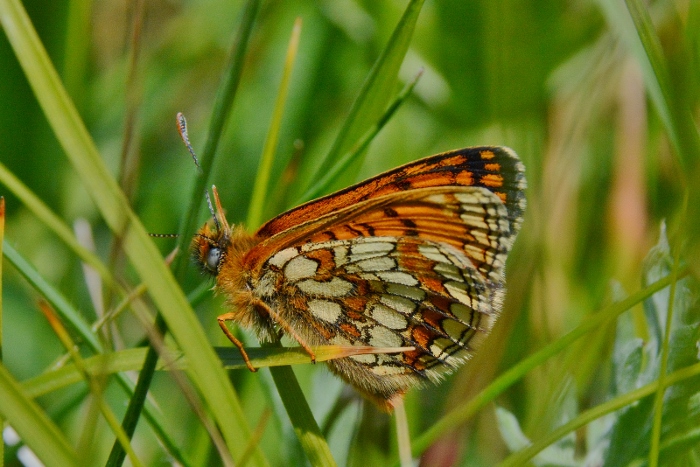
{"x":222,"y":323}
{"x":286,"y":328}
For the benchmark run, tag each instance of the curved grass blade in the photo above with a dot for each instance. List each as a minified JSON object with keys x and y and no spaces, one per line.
{"x":2,"y":236}
{"x":208,"y":375}
{"x":303,"y":421}
{"x":262,"y":178}
{"x":342,"y":164}
{"x":33,"y":425}
{"x":521,"y":457}
{"x":95,"y":389}
{"x":463,"y":413}
{"x":74,"y":320}
{"x":376,"y":91}
{"x":53,"y":222}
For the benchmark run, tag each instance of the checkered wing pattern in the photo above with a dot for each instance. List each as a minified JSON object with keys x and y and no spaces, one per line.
{"x":413,"y":257}
{"x":435,"y":285}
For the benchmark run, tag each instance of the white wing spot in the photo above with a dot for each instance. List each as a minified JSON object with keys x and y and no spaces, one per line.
{"x":398,"y":277}
{"x":340,"y":255}
{"x":448,"y":271}
{"x":377,"y":264}
{"x":281,"y":258}
{"x":384,"y":337}
{"x":371,"y":245}
{"x":368,"y":359}
{"x":336,"y":287}
{"x":388,"y":317}
{"x":412,"y":293}
{"x":325,"y":310}
{"x":432,"y":253}
{"x":458,"y":291}
{"x":400,"y":304}
{"x":300,"y":267}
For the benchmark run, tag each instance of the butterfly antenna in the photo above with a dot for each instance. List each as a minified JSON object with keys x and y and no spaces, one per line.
{"x":219,"y":209}
{"x":182,"y":129}
{"x":213,"y":213}
{"x":159,"y":235}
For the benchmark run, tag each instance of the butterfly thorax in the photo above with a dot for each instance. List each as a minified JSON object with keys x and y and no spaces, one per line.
{"x":222,"y":254}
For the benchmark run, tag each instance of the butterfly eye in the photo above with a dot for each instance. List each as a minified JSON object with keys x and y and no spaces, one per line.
{"x":213,"y":258}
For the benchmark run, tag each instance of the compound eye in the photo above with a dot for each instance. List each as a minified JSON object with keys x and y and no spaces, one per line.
{"x":213,"y":258}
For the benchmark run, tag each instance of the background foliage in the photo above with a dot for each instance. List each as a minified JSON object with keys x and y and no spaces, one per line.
{"x":567,"y":85}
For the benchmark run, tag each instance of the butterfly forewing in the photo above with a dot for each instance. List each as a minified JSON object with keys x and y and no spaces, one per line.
{"x":414,"y":258}
{"x":497,"y":169}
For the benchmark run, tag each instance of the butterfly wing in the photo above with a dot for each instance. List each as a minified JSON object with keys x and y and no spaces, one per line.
{"x":420,"y":268}
{"x":497,"y":169}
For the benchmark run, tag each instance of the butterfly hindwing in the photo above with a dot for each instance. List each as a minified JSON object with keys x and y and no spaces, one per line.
{"x":434,"y":285}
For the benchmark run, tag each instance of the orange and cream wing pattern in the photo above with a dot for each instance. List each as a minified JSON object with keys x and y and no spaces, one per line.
{"x":495,"y":168}
{"x":419,"y":291}
{"x":411,"y":258}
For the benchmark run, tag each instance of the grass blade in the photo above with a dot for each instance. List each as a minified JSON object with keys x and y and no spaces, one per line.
{"x":53,"y":222}
{"x":32,"y":424}
{"x":208,"y":375}
{"x":327,"y":180}
{"x":262,"y":179}
{"x":222,"y":107}
{"x":455,"y":418}
{"x":375,"y":94}
{"x":521,"y":457}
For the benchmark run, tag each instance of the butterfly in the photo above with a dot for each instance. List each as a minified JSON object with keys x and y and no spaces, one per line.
{"x":411,"y":258}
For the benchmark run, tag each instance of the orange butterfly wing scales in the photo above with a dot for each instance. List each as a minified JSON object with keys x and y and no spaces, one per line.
{"x":413,"y":257}
{"x":466,"y":167}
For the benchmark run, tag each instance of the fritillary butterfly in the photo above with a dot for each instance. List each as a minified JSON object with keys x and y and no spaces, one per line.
{"x":413,"y":257}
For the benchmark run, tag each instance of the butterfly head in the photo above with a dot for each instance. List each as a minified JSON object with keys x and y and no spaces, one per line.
{"x":210,"y":243}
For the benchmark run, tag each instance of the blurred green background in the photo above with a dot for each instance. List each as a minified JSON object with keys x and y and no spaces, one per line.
{"x":559,"y":82}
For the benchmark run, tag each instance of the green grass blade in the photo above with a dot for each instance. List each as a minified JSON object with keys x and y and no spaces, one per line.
{"x":305,"y":426}
{"x":222,"y":108}
{"x":521,"y":457}
{"x":2,"y":241}
{"x":69,"y":315}
{"x":377,"y":89}
{"x":665,"y":352}
{"x":682,"y":129}
{"x":2,"y":236}
{"x":327,"y":180}
{"x":132,"y":359}
{"x":457,"y":417}
{"x":262,"y":179}
{"x":53,"y":222}
{"x":95,"y":389}
{"x":208,"y":375}
{"x":32,"y":424}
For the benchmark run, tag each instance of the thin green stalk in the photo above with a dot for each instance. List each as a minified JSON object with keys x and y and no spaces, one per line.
{"x":402,"y":435}
{"x":262,"y":179}
{"x":665,"y":351}
{"x":208,"y":374}
{"x":305,"y":426}
{"x":137,"y":401}
{"x":32,"y":424}
{"x":222,"y":109}
{"x":95,"y":389}
{"x":463,"y":413}
{"x":358,"y":149}
{"x":521,"y":457}
{"x":2,"y":236}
